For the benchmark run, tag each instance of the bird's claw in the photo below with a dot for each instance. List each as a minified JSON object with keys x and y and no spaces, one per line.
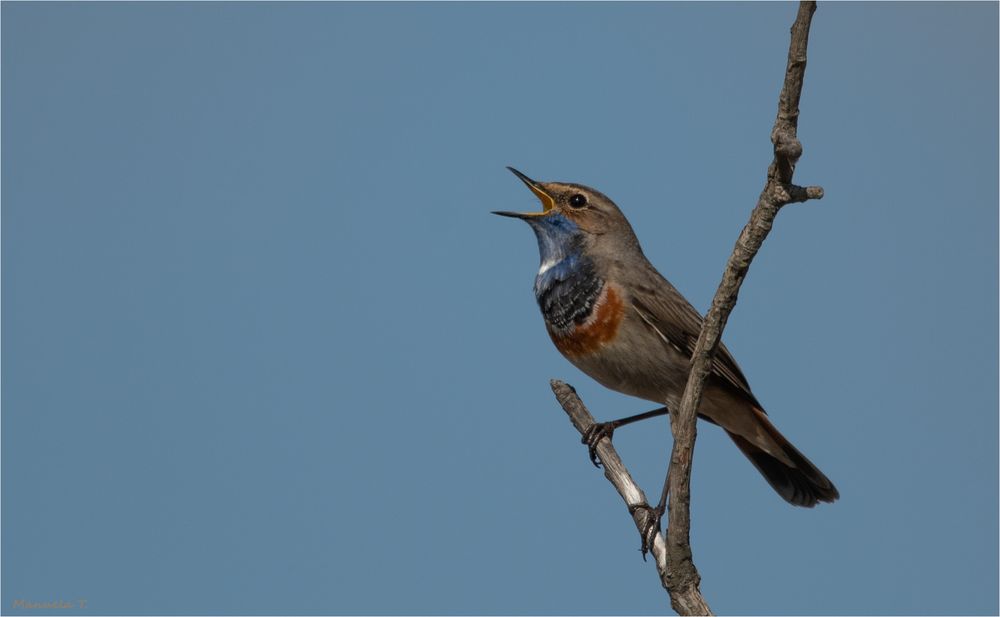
{"x":593,"y":436}
{"x":651,"y":527}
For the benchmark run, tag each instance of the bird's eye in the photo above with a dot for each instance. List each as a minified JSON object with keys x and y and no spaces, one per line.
{"x":578,"y":200}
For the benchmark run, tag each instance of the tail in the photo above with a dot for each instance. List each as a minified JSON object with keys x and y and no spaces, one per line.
{"x":801,"y":484}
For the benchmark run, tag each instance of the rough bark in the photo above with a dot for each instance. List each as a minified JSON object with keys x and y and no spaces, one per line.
{"x":682,"y":576}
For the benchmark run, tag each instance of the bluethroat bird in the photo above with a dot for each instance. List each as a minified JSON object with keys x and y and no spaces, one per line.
{"x":616,"y":318}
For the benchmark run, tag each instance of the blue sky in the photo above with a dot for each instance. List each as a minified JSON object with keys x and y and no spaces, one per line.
{"x":266,"y":351}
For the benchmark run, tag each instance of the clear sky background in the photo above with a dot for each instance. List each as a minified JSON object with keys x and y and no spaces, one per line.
{"x":265,"y":350}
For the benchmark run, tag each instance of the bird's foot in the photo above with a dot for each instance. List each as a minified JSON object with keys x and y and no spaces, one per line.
{"x":651,"y":527}
{"x":593,"y":436}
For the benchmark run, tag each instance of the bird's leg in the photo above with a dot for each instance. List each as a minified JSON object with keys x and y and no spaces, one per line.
{"x":651,"y":527}
{"x":657,"y":515}
{"x":652,"y":523}
{"x":600,"y":430}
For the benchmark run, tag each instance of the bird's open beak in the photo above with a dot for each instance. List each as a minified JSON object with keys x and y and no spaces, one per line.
{"x":547,"y":201}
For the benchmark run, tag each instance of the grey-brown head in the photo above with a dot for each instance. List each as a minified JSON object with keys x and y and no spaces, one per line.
{"x":573,"y":214}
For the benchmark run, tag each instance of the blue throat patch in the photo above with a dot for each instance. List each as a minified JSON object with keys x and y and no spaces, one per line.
{"x":567,"y":286}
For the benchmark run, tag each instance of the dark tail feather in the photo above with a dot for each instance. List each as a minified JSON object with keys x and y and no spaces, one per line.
{"x":801,"y":485}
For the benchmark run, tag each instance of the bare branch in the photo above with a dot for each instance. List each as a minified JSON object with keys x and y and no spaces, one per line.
{"x":673,"y":556}
{"x":778,"y":191}
{"x":690,"y":600}
{"x":614,"y":469}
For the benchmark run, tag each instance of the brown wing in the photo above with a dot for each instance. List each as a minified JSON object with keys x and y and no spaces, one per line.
{"x":669,"y":313}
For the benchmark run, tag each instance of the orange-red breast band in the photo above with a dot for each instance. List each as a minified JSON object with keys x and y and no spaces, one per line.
{"x":599,"y":329}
